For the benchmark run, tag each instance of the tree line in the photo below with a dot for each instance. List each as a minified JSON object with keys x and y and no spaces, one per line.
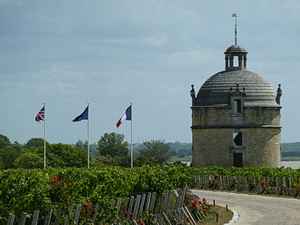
{"x":111,"y":149}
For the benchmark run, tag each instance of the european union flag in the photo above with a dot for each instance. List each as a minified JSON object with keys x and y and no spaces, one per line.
{"x":82,"y":116}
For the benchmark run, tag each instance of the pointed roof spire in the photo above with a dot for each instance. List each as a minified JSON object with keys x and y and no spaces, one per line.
{"x":235,"y":28}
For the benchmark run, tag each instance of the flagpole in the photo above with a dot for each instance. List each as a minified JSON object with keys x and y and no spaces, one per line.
{"x":131,"y":152}
{"x":88,"y":137}
{"x":45,"y":153}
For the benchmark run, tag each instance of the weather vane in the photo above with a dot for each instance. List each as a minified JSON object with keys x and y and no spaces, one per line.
{"x":235,"y":28}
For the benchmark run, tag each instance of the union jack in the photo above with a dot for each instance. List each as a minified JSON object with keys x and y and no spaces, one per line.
{"x":40,"y":115}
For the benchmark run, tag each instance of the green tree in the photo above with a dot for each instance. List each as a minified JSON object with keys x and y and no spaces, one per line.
{"x":64,"y":155}
{"x":154,"y":152}
{"x":58,"y":155}
{"x":36,"y":143}
{"x":4,"y":141}
{"x":28,"y":160}
{"x":81,"y":144}
{"x":8,"y":155}
{"x":113,"y":148}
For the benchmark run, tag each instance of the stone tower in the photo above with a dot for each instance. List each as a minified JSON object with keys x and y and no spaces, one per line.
{"x":236,"y":117}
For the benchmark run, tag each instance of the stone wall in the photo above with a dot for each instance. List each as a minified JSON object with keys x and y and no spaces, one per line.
{"x":213,"y":128}
{"x":262,"y":146}
{"x":211,"y":147}
{"x":223,"y":117}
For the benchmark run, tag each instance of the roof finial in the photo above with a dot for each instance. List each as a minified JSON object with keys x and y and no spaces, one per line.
{"x":235,"y":28}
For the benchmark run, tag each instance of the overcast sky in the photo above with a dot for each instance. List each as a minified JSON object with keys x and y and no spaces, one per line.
{"x":113,"y":52}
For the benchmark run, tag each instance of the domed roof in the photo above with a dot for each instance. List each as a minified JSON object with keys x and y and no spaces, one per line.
{"x":216,"y":90}
{"x":235,"y":49}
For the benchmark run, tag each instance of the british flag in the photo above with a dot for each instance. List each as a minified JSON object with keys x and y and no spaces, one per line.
{"x":40,"y":116}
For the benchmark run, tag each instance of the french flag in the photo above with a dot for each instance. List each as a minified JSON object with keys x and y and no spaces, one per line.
{"x":126,"y":116}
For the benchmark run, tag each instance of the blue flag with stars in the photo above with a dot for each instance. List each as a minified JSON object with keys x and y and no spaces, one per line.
{"x":82,"y":116}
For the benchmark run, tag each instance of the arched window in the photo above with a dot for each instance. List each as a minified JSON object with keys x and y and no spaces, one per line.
{"x":237,"y":138}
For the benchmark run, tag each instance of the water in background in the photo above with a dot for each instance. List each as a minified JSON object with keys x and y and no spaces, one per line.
{"x":292,"y":164}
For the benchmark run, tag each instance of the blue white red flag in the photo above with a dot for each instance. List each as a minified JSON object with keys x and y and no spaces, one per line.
{"x":126,"y":116}
{"x":40,"y":116}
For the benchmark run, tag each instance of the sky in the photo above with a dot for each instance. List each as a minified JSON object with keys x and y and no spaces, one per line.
{"x":108,"y":53}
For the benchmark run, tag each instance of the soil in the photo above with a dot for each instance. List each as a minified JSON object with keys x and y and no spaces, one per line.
{"x":224,"y":216}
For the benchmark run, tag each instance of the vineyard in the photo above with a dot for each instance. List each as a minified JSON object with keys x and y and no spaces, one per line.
{"x":249,"y":180}
{"x":28,"y":190}
{"x":257,"y":172}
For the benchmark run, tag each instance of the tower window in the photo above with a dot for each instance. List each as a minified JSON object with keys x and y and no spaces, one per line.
{"x":237,"y":138}
{"x":237,"y":106}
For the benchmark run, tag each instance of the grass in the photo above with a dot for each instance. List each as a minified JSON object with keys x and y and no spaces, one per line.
{"x":224,"y":216}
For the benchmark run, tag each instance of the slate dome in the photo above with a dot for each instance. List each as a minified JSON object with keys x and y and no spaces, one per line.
{"x":216,"y":90}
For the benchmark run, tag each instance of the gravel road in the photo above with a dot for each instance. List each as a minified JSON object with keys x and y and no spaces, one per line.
{"x":257,"y":209}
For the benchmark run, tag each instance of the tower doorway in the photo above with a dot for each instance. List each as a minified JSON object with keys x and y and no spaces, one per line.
{"x":238,"y":159}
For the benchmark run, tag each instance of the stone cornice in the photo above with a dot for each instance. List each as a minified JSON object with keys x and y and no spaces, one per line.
{"x":235,"y":127}
{"x":227,"y":106}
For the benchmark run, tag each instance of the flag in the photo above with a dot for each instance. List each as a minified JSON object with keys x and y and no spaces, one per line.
{"x":82,"y":116}
{"x":40,"y":116}
{"x":126,"y":116}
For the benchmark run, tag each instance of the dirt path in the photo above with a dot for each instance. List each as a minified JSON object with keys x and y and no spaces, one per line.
{"x":256,"y":209}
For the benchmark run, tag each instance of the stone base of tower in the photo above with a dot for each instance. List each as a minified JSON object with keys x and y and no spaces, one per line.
{"x":261,"y":147}
{"x":210,"y":147}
